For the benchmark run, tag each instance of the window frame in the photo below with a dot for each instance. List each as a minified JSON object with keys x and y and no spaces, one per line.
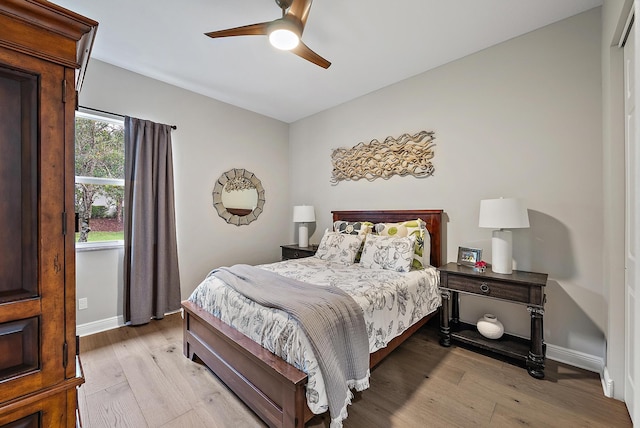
{"x":98,"y":245}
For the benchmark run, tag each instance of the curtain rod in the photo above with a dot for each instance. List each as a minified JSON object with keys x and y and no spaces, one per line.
{"x":113,"y":114}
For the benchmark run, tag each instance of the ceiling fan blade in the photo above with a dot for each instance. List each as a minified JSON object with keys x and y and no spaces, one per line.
{"x":247,"y":30}
{"x":300,"y":10}
{"x":303,"y":51}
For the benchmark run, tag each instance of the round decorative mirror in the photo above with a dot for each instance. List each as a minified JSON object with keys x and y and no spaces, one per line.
{"x":238,"y":196}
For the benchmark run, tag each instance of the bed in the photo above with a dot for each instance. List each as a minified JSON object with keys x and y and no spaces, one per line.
{"x":271,"y":387}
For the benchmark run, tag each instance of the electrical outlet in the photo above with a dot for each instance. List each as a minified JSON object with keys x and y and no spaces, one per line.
{"x":83,"y":303}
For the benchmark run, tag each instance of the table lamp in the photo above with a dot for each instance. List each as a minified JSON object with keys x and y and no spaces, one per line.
{"x":502,"y":214}
{"x":303,"y":214}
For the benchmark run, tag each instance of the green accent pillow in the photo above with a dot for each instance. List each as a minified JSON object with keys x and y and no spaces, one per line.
{"x":417,"y":228}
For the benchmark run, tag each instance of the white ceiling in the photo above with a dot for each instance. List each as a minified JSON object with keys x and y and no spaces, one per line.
{"x":370,"y":43}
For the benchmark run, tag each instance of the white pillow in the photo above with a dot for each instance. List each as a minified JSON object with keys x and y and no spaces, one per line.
{"x":426,"y":250}
{"x":388,"y":252}
{"x":339,"y":247}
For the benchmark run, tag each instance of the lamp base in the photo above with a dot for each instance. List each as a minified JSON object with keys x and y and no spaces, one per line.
{"x":502,"y":250}
{"x":303,"y":235}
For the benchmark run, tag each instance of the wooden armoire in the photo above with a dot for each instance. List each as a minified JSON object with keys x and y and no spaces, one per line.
{"x":43,"y":51}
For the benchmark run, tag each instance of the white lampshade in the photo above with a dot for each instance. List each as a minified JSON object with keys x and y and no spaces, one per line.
{"x":303,"y":214}
{"x":502,"y":214}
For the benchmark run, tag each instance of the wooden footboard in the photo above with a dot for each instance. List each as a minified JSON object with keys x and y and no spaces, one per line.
{"x":272,"y":388}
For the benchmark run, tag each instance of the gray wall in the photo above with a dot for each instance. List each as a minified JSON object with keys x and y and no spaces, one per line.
{"x":520,"y":119}
{"x":212,"y":137}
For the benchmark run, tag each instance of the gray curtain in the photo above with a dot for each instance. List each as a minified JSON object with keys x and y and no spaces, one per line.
{"x":151,"y":277}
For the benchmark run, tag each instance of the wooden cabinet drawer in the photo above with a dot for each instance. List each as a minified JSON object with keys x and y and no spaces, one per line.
{"x":289,"y":253}
{"x":521,"y":293}
{"x":293,"y":252}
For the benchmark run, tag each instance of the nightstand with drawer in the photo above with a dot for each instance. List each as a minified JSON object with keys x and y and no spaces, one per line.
{"x":525,"y":288}
{"x":293,"y":251}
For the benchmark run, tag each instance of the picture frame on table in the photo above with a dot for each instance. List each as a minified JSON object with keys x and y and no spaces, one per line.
{"x":469,"y":256}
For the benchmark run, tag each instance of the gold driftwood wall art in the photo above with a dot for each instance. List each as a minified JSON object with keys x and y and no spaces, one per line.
{"x":405,"y":155}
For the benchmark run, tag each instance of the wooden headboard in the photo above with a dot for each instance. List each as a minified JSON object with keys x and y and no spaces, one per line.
{"x":433,"y":218}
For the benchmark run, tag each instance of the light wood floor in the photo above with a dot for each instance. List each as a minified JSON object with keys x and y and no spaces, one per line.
{"x":138,"y":377}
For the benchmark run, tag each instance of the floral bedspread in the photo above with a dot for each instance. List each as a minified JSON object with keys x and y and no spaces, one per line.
{"x":391,"y":301}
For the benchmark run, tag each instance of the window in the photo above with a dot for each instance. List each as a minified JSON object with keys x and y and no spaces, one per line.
{"x":99,"y":180}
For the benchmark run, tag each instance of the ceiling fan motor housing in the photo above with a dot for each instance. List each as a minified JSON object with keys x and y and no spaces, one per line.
{"x":284,"y":4}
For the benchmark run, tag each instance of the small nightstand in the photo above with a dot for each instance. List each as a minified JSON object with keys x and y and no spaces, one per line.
{"x":526,"y":288}
{"x":293,"y":251}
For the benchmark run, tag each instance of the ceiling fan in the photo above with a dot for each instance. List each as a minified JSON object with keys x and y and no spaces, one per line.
{"x":284,"y":33}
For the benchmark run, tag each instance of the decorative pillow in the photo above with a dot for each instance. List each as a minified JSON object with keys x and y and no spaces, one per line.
{"x":339,"y":247}
{"x":417,"y":228}
{"x":388,"y":252}
{"x":353,"y":227}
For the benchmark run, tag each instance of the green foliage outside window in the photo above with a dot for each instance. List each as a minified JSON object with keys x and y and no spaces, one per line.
{"x":99,"y":153}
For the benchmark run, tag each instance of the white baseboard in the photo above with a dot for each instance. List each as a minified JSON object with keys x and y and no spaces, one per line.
{"x":575,"y":358}
{"x":607,"y":383}
{"x":583,"y":361}
{"x":100,"y":325}
{"x":106,"y":324}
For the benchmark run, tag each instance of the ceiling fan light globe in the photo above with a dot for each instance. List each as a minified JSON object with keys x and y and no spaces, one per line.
{"x":284,"y":39}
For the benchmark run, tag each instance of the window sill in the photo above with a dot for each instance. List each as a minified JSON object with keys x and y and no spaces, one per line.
{"x":98,"y":246}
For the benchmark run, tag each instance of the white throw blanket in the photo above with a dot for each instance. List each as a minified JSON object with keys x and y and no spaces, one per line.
{"x":331,"y":319}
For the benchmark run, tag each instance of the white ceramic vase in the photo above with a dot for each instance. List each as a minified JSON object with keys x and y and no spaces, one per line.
{"x":490,"y":327}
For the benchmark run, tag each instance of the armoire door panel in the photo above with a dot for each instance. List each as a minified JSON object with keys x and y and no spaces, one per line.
{"x":19,"y":348}
{"x":18,"y":185}
{"x":31,"y":421}
{"x":49,"y":411}
{"x":39,"y":168}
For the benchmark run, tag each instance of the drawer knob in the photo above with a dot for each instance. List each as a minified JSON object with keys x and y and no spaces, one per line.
{"x":296,"y":255}
{"x":484,"y":287}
